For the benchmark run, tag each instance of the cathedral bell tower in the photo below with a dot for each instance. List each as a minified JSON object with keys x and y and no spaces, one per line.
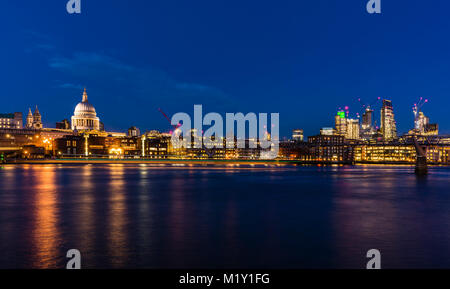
{"x":37,"y":119}
{"x":29,"y":119}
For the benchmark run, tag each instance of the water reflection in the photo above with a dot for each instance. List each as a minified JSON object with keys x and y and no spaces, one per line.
{"x":176,"y":223}
{"x":145,"y":212}
{"x":117,"y":217}
{"x":362,"y":220}
{"x":46,"y":234}
{"x":126,"y":216}
{"x":84,"y":213}
{"x":8,"y":200}
{"x":230,"y":230}
{"x":382,"y":209}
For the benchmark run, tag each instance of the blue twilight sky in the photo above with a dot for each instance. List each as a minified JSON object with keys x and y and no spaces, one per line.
{"x":301,"y":58}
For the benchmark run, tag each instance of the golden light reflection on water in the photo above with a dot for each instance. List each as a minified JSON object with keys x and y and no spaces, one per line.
{"x":8,"y":195}
{"x":85,"y":215}
{"x":117,"y":234}
{"x":145,"y":210}
{"x":46,"y":236}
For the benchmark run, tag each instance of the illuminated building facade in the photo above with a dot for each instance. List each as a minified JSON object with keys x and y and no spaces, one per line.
{"x":388,"y":124}
{"x":367,"y":131}
{"x":70,"y":145}
{"x":422,"y":125}
{"x":346,"y":126}
{"x":400,"y":154}
{"x":297,"y":135}
{"x":97,"y":145}
{"x":432,"y":129}
{"x":385,"y":153}
{"x":134,"y":131}
{"x":11,"y":120}
{"x":157,"y":145}
{"x":352,"y":129}
{"x":367,"y":119}
{"x":123,"y":147}
{"x":85,"y":116}
{"x":294,"y":150}
{"x":327,"y":131}
{"x":326,"y":148}
{"x":438,"y":154}
{"x":340,"y":123}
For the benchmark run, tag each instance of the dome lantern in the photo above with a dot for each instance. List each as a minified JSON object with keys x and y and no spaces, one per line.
{"x":85,"y":96}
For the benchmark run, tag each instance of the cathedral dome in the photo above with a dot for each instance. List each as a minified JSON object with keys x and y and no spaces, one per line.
{"x":84,"y":108}
{"x":85,"y":116}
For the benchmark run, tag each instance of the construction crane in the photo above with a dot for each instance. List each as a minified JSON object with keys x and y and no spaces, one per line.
{"x":367,"y":111}
{"x":209,"y":152}
{"x":366,"y":106}
{"x":418,"y":105}
{"x":417,"y":111}
{"x":175,"y":127}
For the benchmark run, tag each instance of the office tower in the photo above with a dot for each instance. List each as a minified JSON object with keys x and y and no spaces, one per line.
{"x":367,"y":119}
{"x":388,"y":125}
{"x":352,"y":129}
{"x":340,"y":123}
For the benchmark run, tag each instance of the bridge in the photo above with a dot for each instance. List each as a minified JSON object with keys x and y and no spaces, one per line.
{"x":421,"y":158}
{"x":421,"y":141}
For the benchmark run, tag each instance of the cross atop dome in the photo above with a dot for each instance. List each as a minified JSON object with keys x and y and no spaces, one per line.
{"x":85,"y":96}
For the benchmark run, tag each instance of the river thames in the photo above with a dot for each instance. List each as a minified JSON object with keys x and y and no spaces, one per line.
{"x":166,"y":216}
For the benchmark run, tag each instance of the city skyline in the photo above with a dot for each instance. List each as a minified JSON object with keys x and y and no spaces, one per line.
{"x":306,"y":57}
{"x":344,"y":122}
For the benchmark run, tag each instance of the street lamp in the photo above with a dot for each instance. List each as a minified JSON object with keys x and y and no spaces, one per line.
{"x":86,"y":145}
{"x":143,"y":146}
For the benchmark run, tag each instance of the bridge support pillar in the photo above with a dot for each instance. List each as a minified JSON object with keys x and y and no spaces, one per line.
{"x":421,"y":165}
